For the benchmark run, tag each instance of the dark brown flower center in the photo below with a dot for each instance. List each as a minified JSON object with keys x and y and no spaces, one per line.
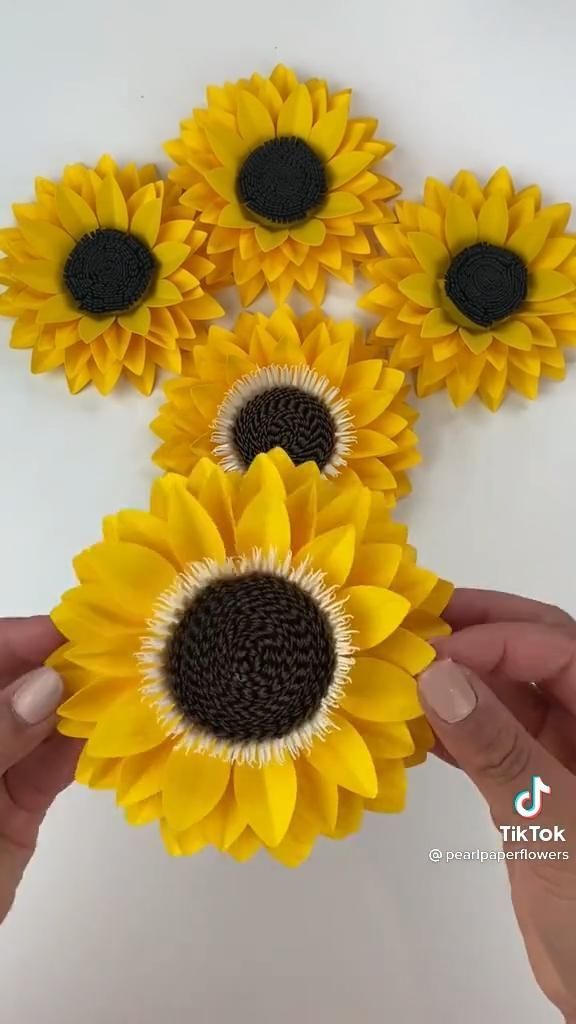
{"x":289,"y":418}
{"x":251,"y":659}
{"x":282,"y":181}
{"x":487,"y":283}
{"x":108,"y":271}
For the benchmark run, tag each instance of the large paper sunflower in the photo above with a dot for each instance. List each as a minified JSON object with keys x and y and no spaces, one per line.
{"x":241,"y":658}
{"x":283,"y":179}
{"x":477,"y":291}
{"x":105,"y":276}
{"x":308,"y":384}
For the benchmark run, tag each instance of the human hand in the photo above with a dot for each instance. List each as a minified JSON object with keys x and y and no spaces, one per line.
{"x":501,"y":699}
{"x":35,"y":762}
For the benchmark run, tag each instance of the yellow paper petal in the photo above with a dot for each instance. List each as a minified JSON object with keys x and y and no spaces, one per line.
{"x":146,"y":222}
{"x":461,"y":226}
{"x":312,"y":233}
{"x":42,"y":275}
{"x":317,"y":794}
{"x":75,"y":730}
{"x":47,"y":240}
{"x":493,"y":220}
{"x":129,"y":727}
{"x":375,"y":613}
{"x":343,"y":757}
{"x":270,"y":238}
{"x":302,"y":506}
{"x":75,"y":215}
{"x":391,"y":797}
{"x":430,"y":252}
{"x":346,"y":166}
{"x":193,"y":784}
{"x":264,"y":524}
{"x":381,"y":692}
{"x":245,"y":846}
{"x":91,"y":328}
{"x":91,"y":702}
{"x":340,"y":204}
{"x":170,"y":256}
{"x":296,"y":846}
{"x":350,"y":814}
{"x":295,"y":117}
{"x":514,"y":333}
{"x":144,"y":812}
{"x":137,"y":576}
{"x":142,"y":775}
{"x":266,"y":795}
{"x":376,"y":564}
{"x":164,"y":293}
{"x":529,"y":239}
{"x":327,"y":134}
{"x":193,"y":534}
{"x":406,"y":650}
{"x":332,"y":553}
{"x":138,"y":322}
{"x":548,"y":284}
{"x":332,"y":362}
{"x":422,"y":289}
{"x":111,"y":205}
{"x":254,"y":121}
{"x":226,"y":821}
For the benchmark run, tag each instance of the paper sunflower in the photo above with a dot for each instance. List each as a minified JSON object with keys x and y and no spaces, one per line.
{"x":241,"y":658}
{"x":306,"y":384}
{"x":477,"y":291}
{"x":105,"y":276}
{"x":283,"y":180}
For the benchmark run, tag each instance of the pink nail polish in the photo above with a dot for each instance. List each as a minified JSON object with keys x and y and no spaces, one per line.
{"x":38,"y":695}
{"x":446,"y":688}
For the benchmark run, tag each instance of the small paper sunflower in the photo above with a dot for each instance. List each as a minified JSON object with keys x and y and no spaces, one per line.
{"x":477,"y":291}
{"x":309,"y":385}
{"x":283,"y":179}
{"x":105,"y":276}
{"x":241,"y":658}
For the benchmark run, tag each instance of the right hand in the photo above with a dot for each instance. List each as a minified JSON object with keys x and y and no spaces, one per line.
{"x":501,"y":729}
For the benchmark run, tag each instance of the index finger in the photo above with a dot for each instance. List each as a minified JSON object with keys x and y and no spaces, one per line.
{"x":521,"y":652}
{"x":25,"y":644}
{"x":470,"y":607}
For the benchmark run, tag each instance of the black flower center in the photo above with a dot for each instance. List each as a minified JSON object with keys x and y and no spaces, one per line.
{"x":486,"y":283}
{"x":108,"y":271}
{"x":251,"y":659}
{"x":289,"y":418}
{"x":282,"y":181}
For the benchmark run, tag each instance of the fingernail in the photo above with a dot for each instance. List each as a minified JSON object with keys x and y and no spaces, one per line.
{"x":38,"y":695}
{"x":446,"y":689}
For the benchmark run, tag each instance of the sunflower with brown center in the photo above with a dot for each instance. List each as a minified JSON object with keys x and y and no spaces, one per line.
{"x":309,"y":385}
{"x":477,"y":291}
{"x":283,"y":180}
{"x":105,"y":276}
{"x":241,"y":659}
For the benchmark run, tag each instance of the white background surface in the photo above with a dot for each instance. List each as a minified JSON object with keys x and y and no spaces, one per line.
{"x":107,"y":928}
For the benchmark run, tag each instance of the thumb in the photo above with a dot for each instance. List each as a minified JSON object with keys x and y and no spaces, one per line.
{"x":27,"y":714}
{"x":485,"y":739}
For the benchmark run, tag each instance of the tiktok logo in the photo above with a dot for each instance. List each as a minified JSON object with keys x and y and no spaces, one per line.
{"x":528,"y":802}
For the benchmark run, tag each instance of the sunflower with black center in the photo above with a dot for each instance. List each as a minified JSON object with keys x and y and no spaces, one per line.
{"x":283,"y":180}
{"x":309,"y":385}
{"x":241,"y":658}
{"x":477,"y":291}
{"x":105,"y":276}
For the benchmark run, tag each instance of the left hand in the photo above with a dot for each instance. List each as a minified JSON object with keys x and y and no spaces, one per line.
{"x":35,"y":762}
